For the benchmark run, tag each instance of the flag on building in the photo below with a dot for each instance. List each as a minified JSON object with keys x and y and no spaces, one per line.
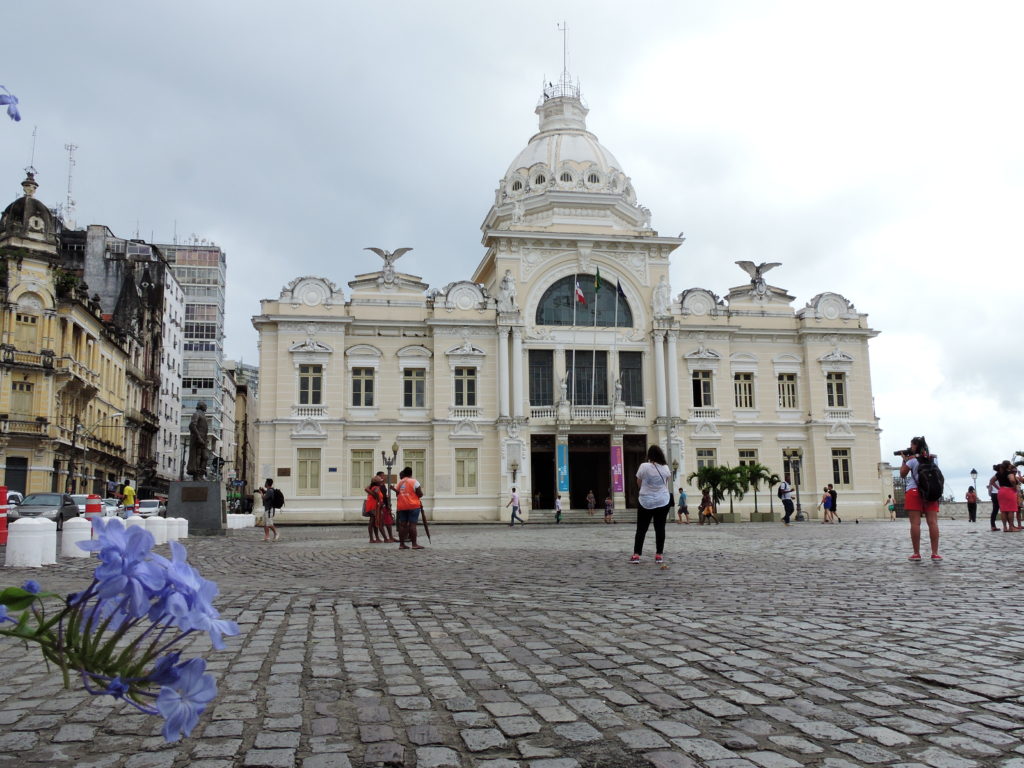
{"x":580,"y":298}
{"x":618,"y":289}
{"x":597,"y":281}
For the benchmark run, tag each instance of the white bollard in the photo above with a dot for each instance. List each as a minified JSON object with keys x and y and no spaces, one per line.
{"x":182,"y":527}
{"x":158,"y":527}
{"x":75,"y":530}
{"x":24,"y":545}
{"x":48,"y":537}
{"x":172,"y":529}
{"x":132,"y":520}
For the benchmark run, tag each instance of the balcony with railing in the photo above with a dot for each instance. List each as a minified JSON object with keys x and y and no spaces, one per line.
{"x":12,"y":356}
{"x":541,"y":412}
{"x":838,"y":414}
{"x":70,"y":366}
{"x":18,"y":426}
{"x":704,"y":414}
{"x":464,"y":412}
{"x":636,"y":413}
{"x":591,"y":413}
{"x":309,"y":412}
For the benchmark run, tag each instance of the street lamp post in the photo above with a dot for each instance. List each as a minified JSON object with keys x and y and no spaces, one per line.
{"x":389,"y":462}
{"x":974,"y":479}
{"x":794,"y":466}
{"x":79,"y":428}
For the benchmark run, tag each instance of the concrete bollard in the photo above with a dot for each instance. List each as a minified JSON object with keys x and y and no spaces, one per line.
{"x":132,"y":520}
{"x":182,"y":527}
{"x":158,"y":527}
{"x":48,"y":538}
{"x":75,"y":530}
{"x":172,"y":529}
{"x":24,"y":545}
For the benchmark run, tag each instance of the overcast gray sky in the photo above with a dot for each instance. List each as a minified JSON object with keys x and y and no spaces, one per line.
{"x":873,"y":148}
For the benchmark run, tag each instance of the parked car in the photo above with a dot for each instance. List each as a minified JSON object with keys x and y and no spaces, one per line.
{"x":53,"y":506}
{"x":150,"y":507}
{"x":80,"y":499}
{"x":112,"y":508}
{"x":15,"y":497}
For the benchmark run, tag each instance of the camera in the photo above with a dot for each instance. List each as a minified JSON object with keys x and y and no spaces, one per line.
{"x":906,"y":452}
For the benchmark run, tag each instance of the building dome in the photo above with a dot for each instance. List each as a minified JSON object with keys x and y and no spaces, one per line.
{"x":27,"y":218}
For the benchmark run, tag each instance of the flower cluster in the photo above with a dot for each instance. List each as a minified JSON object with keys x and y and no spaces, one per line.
{"x":119,"y":634}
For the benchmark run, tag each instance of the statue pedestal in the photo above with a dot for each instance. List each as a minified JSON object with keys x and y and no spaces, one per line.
{"x":199,"y":502}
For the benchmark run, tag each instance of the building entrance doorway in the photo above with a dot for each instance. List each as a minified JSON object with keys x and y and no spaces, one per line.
{"x":634,"y":453}
{"x":16,"y":477}
{"x":590,"y":469}
{"x":542,"y":467}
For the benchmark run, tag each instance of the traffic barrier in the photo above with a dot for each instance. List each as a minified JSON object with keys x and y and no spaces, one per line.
{"x":4,"y":506}
{"x":172,"y":528}
{"x":158,"y":527}
{"x":93,"y":507}
{"x":182,"y":528}
{"x":75,"y":530}
{"x":132,"y":520}
{"x":31,"y":543}
{"x":49,"y":540}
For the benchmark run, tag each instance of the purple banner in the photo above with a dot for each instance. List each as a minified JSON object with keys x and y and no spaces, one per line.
{"x":617,"y":486}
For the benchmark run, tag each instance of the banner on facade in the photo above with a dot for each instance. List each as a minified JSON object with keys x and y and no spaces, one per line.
{"x":617,"y":483}
{"x":563,"y":468}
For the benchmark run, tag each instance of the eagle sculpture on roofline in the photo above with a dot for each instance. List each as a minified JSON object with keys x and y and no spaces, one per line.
{"x":390,"y":257}
{"x":756,"y":272}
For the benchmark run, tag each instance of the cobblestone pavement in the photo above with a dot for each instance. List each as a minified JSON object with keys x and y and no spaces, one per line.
{"x":541,"y":647}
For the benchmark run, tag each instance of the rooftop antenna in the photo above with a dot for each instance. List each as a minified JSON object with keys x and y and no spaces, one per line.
{"x":175,"y":231}
{"x":69,"y":206}
{"x":32,"y":158}
{"x":566,"y":87}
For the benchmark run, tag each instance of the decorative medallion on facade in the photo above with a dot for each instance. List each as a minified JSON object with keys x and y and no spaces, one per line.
{"x":829,"y":306}
{"x":312,"y":292}
{"x":700,"y":302}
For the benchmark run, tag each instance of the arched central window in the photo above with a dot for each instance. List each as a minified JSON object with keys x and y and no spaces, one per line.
{"x":560,"y":306}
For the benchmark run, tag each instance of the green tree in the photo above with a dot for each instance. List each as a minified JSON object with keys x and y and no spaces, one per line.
{"x":772,"y":481}
{"x":755,"y":475}
{"x":735,"y":484}
{"x":711,"y":479}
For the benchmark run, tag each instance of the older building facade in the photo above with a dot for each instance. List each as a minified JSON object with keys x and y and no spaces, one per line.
{"x":558,"y":362}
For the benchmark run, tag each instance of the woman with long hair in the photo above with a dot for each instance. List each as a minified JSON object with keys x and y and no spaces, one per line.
{"x":915,"y":504}
{"x":1007,"y":480}
{"x":654,"y":502}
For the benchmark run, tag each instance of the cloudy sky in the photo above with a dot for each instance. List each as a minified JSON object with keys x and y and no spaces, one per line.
{"x":875,"y":149}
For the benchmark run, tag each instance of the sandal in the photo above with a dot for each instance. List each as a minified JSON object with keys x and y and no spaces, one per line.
{"x":936,"y":557}
{"x":914,"y":556}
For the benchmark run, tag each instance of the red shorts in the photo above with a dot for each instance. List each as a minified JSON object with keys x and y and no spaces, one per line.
{"x":1007,"y":499}
{"x":912,"y":502}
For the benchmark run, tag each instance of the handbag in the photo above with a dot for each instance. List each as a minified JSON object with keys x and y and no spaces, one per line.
{"x":369,"y":506}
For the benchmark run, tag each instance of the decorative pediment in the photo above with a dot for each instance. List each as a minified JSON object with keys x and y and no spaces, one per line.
{"x":310,"y":345}
{"x":836,"y":356}
{"x":308,"y":430}
{"x":743,"y":361}
{"x":839,"y":429}
{"x":465,"y":430}
{"x":312,"y":292}
{"x":698,"y":301}
{"x":702,"y":359}
{"x":464,"y":295}
{"x":786,"y":363}
{"x":829,"y":306}
{"x":363,"y":355}
{"x":466,"y":348}
{"x":415,"y":350}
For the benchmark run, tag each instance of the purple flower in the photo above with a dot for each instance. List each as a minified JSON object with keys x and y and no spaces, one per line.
{"x":181,"y":702}
{"x":117,"y":688}
{"x":164,"y":671}
{"x":12,"y":104}
{"x":191,"y":603}
{"x":32,"y":586}
{"x":3,"y":615}
{"x":127,"y":569}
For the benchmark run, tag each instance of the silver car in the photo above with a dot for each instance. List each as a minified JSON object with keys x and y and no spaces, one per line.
{"x":53,"y":506}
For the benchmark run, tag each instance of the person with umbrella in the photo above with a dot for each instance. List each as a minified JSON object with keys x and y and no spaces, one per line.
{"x":409,"y":493}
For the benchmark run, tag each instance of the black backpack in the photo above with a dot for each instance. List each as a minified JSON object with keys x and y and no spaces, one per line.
{"x":930,"y":482}
{"x":278,"y":499}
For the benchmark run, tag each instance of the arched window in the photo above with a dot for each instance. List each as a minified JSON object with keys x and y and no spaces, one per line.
{"x":516,"y":186}
{"x":541,"y":179}
{"x":593,"y":178}
{"x":566,"y":177}
{"x":559,"y":305}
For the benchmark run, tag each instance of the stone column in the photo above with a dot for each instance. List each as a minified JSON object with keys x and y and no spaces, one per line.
{"x":503,"y":372}
{"x":517,"y":373}
{"x":659,"y":373}
{"x":673,"y":376}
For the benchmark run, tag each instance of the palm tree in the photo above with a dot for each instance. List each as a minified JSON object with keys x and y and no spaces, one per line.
{"x":735,"y":484}
{"x":755,"y":475}
{"x":712,"y":479}
{"x":772,"y":480}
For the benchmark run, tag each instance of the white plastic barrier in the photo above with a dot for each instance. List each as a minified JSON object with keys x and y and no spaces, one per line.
{"x":241,"y":521}
{"x":75,"y":530}
{"x":133,"y":520}
{"x":182,"y":528}
{"x":172,"y":528}
{"x":49,"y":540}
{"x":25,"y":542}
{"x":158,"y":527}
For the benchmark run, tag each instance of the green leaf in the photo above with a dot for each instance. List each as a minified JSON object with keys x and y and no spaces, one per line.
{"x":16,"y":598}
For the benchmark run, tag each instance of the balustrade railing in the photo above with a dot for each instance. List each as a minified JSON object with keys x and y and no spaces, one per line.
{"x":464,"y":411}
{"x":703,"y":414}
{"x":309,"y":411}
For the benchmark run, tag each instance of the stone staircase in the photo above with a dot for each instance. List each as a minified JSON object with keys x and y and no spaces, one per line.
{"x":580,"y":516}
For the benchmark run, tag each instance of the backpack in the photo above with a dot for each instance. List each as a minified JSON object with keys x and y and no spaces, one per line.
{"x":781,"y":492}
{"x":278,"y":499}
{"x":930,"y":482}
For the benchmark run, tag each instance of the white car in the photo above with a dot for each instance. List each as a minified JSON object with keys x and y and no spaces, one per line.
{"x":150,"y":507}
{"x":112,"y":507}
{"x":15,"y":497}
{"x":80,"y":499}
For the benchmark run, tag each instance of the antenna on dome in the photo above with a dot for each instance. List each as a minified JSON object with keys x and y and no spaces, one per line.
{"x":32,"y":157}
{"x":564,"y":27}
{"x":69,"y":206}
{"x":565,"y":84}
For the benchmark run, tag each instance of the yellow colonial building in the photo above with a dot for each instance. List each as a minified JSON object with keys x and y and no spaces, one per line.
{"x":562,"y":357}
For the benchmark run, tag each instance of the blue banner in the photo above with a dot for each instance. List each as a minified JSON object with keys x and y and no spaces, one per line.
{"x":562,"y":453}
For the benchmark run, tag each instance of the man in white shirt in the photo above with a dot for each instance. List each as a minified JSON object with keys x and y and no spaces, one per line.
{"x":786,"y":494}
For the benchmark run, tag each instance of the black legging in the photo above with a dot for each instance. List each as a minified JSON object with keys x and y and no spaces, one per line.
{"x":995,"y":508}
{"x":644,"y":517}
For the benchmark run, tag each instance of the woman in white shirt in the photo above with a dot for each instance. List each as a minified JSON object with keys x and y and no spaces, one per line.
{"x":653,"y":478}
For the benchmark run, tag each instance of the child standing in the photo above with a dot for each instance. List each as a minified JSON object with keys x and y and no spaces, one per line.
{"x":558,"y":508}
{"x":609,"y":509}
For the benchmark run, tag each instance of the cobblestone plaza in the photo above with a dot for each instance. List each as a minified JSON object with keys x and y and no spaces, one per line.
{"x":541,"y":647}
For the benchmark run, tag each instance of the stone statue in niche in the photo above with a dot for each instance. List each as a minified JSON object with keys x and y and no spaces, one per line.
{"x":507,"y":293}
{"x":662,"y":299}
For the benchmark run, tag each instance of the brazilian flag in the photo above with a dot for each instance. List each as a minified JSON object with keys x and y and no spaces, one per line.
{"x":597,"y":280}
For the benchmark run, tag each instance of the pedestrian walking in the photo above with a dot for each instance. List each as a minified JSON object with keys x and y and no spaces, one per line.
{"x":835,"y":503}
{"x":591,"y":503}
{"x":385,"y":518}
{"x":890,"y":505}
{"x":914,"y":503}
{"x":558,"y":508}
{"x":1007,"y":481}
{"x":371,"y":508}
{"x":409,"y":493}
{"x":786,"y":494}
{"x":654,"y":502}
{"x":972,"y":505}
{"x":681,"y":510}
{"x":514,"y":503}
{"x":993,"y":493}
{"x":269,"y":510}
{"x":609,"y":510}
{"x":825,"y":504}
{"x":706,"y":510}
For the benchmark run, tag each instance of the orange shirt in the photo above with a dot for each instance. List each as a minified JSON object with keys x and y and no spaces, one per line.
{"x":407,"y":498}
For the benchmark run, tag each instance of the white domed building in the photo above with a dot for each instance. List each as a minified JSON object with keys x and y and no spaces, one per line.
{"x":558,"y":362}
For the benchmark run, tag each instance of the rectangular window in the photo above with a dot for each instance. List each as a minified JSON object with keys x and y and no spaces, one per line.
{"x":748,"y":457}
{"x":792,"y":466}
{"x":192,"y":382}
{"x":841,"y":466}
{"x":835,"y":388}
{"x":21,"y":399}
{"x":362,"y":387}
{"x":25,"y":331}
{"x":542,"y":377}
{"x":702,"y":389}
{"x":743,"y":387}
{"x":311,"y":384}
{"x":465,"y":470}
{"x":414,"y":388}
{"x":201,"y":330}
{"x":465,"y":387}
{"x":588,"y":377}
{"x":415,"y":459}
{"x":631,"y":376}
{"x":706,"y":457}
{"x":787,"y":390}
{"x":308,"y":480}
{"x":362,"y":469}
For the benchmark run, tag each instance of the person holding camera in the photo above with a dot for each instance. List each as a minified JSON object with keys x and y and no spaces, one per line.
{"x":1006,"y":480}
{"x":914,"y":503}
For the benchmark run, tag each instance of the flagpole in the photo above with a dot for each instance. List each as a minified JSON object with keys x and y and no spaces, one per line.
{"x":575,"y":301}
{"x":593,"y":352}
{"x":615,"y":333}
